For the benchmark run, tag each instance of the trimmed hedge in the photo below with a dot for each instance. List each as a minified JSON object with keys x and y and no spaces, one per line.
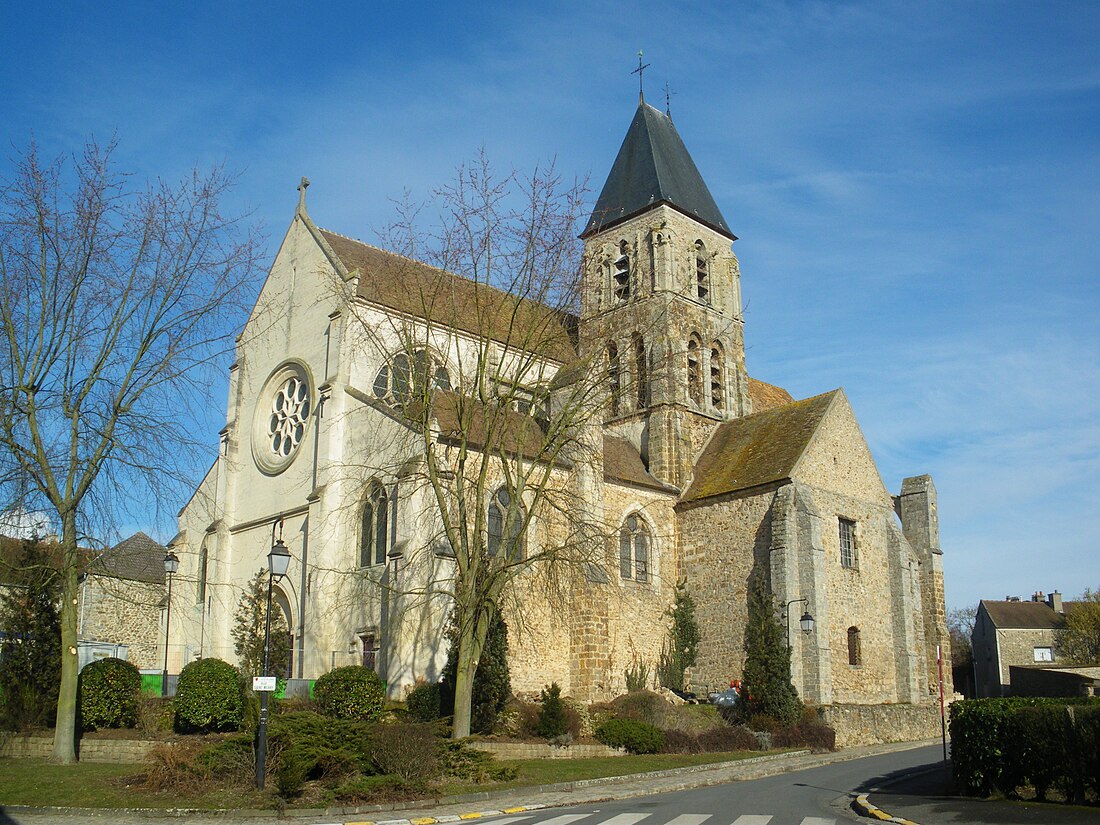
{"x":352,"y":692}
{"x":109,"y":690}
{"x":634,"y":736}
{"x":209,"y":697}
{"x":1012,"y":744}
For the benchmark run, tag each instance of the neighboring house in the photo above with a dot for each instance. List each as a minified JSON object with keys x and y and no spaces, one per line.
{"x":707,"y":475}
{"x":121,"y":602}
{"x":1039,"y":680}
{"x":1014,"y":632}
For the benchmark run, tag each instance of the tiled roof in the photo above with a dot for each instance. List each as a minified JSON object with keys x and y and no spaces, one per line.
{"x":653,"y":167}
{"x":414,"y":288}
{"x":758,"y":449}
{"x":138,"y":558}
{"x":481,"y":425}
{"x":765,"y":396}
{"x":1030,"y":615}
{"x":622,"y":462}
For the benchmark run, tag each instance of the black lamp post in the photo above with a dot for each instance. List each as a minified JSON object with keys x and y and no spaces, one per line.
{"x":278,"y":560}
{"x":171,"y":565}
{"x":806,"y":622}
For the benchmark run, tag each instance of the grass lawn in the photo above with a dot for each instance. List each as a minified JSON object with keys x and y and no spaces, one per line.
{"x":40,"y":783}
{"x":550,"y":771}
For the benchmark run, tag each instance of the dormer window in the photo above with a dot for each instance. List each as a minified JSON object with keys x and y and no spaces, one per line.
{"x":702,"y":273}
{"x":621,"y":273}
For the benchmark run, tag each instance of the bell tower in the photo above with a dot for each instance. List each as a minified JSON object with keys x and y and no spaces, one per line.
{"x":661,"y":303}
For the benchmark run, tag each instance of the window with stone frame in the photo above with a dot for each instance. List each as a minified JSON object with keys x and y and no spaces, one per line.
{"x":702,"y":273}
{"x":374,"y":529}
{"x":855,"y":648}
{"x":620,"y":273}
{"x":634,"y":549}
{"x":717,"y":385}
{"x":204,"y":563}
{"x":641,"y":371}
{"x":369,"y":650}
{"x":614,"y":377}
{"x":504,"y":526}
{"x":694,"y":372}
{"x":404,"y":377}
{"x":848,"y":557}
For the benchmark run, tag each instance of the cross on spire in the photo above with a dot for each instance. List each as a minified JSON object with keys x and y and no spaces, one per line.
{"x":668,"y":101}
{"x":639,"y":71}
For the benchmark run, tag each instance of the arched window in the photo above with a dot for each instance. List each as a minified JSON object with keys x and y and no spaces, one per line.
{"x":702,"y":272}
{"x":717,"y":388}
{"x":505,"y":526}
{"x":855,"y":651}
{"x":641,"y":371}
{"x":634,"y":549}
{"x":374,"y":535}
{"x":620,"y":273}
{"x":204,"y":562}
{"x":695,"y":373}
{"x":614,"y":377}
{"x":403,"y":378}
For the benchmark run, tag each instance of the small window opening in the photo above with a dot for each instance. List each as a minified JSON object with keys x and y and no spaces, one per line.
{"x":621,"y":273}
{"x":702,"y":272}
{"x":717,"y":393}
{"x":641,"y":370}
{"x":847,"y":543}
{"x":855,"y":651}
{"x":695,"y":374}
{"x":614,"y":377}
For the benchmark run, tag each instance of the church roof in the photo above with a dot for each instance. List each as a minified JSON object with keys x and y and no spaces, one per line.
{"x":423,"y":291}
{"x":758,"y":449}
{"x":623,"y":462}
{"x":1030,"y":615}
{"x":653,"y":167}
{"x":764,"y":396}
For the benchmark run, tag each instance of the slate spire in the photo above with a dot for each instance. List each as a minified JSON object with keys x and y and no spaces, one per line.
{"x":653,"y":167}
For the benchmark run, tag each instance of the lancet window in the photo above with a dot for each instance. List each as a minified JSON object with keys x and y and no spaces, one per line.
{"x":374,"y":531}
{"x":620,"y":273}
{"x":634,"y":546}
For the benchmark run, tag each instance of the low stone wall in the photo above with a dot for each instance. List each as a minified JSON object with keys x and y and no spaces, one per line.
{"x":541,"y":750}
{"x":120,"y":751}
{"x":878,"y":724}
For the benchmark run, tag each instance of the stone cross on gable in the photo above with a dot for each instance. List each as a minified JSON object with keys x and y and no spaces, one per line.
{"x":302,"y":187}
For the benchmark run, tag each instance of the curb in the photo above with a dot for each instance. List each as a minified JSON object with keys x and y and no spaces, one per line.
{"x":864,"y":807}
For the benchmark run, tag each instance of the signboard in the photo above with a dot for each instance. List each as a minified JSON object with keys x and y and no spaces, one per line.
{"x":263,"y":683}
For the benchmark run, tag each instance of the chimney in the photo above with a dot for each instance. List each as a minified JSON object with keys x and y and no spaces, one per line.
{"x":1055,"y":601}
{"x":1038,"y":596}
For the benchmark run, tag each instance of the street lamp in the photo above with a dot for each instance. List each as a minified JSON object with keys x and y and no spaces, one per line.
{"x":171,"y":565}
{"x":278,"y":560}
{"x":806,"y":622}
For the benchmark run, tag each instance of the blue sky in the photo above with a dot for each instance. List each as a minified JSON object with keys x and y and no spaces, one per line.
{"x":914,"y":186}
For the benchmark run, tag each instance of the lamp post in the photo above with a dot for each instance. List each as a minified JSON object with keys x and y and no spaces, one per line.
{"x":806,"y":622}
{"x":171,"y":565}
{"x":278,"y":560}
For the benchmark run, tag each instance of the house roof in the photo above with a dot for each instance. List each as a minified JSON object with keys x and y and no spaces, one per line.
{"x":423,"y":291}
{"x":758,"y":449}
{"x":1021,"y":615}
{"x":623,"y":462}
{"x":653,"y":167}
{"x":137,"y":558}
{"x":766,"y":396}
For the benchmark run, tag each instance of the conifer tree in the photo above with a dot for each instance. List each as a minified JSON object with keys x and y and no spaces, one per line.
{"x":249,"y":627}
{"x":492,"y":681}
{"x":681,"y":648}
{"x":30,"y":654}
{"x":766,"y":685}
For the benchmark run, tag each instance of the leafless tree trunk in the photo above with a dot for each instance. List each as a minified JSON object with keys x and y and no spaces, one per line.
{"x":115,"y":303}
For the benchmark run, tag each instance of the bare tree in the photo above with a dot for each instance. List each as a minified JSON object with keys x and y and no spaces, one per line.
{"x":960,"y":624}
{"x":1079,"y":642}
{"x":114,"y":301}
{"x":504,"y":446}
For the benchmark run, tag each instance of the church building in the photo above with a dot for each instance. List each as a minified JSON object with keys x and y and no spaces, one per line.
{"x":703,"y":474}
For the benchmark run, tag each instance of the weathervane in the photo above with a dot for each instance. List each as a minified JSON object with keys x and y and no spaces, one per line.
{"x":638,"y":71}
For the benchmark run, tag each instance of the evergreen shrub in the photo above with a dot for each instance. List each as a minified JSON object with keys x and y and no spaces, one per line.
{"x":552,"y":722}
{"x":634,"y":736}
{"x":423,"y":702}
{"x":109,"y":691}
{"x":209,"y":697}
{"x":492,"y":681}
{"x":352,"y":692}
{"x":307,"y":746}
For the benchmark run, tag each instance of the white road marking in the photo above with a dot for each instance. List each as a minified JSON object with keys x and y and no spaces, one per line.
{"x":689,"y":819}
{"x":624,"y":819}
{"x":752,"y":819}
{"x":564,"y":819}
{"x":818,"y":820}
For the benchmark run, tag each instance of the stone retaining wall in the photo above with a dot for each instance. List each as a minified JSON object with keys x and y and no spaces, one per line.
{"x":120,"y":751}
{"x":878,"y":724}
{"x":541,"y":750}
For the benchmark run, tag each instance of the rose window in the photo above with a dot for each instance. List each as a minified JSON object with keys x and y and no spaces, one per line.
{"x":289,"y":412}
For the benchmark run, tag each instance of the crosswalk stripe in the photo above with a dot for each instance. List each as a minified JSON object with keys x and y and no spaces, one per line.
{"x":818,"y":820}
{"x":624,"y":819}
{"x":564,"y":819}
{"x":509,"y":819}
{"x":689,"y":819}
{"x":752,"y":819}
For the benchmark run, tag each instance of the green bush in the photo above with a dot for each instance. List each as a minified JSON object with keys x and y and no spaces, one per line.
{"x":209,"y":697}
{"x":492,"y":683}
{"x":306,"y":746}
{"x":634,"y":736}
{"x":423,"y":702}
{"x":109,"y":691}
{"x":353,"y":692}
{"x":643,"y":706}
{"x":552,"y":722}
